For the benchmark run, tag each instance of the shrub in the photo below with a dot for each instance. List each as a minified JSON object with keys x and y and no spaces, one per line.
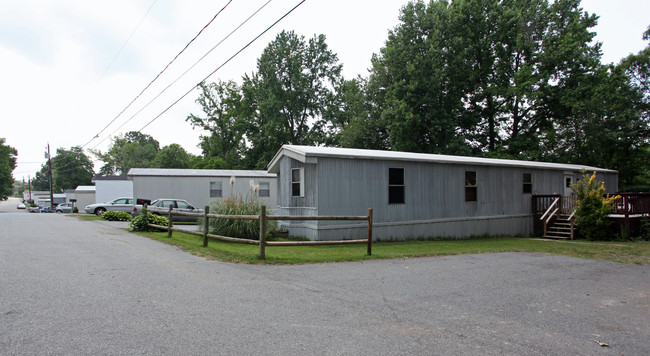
{"x":244,"y":229}
{"x":140,"y":222}
{"x":75,"y":210}
{"x":592,"y":208}
{"x":112,"y":215}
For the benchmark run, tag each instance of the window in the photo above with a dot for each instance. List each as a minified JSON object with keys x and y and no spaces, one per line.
{"x":528,"y":183}
{"x":265,"y":189}
{"x":471,"y":190}
{"x":297,"y":189}
{"x":215,"y":190}
{"x":568,"y":182}
{"x":183,"y":205}
{"x":166,"y":204}
{"x":396,"y":186}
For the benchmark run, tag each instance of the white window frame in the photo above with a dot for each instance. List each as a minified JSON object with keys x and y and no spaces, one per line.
{"x":265,"y":190}
{"x":300,"y":182}
{"x":216,"y":193}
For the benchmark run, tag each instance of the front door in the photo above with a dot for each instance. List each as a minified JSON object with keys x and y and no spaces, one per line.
{"x":568,"y":180}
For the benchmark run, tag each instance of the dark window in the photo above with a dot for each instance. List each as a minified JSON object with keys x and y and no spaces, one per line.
{"x":296,"y":182}
{"x":215,"y":190}
{"x":568,"y":182}
{"x":395,"y":185}
{"x":528,"y":183}
{"x":265,"y":189}
{"x":471,"y":190}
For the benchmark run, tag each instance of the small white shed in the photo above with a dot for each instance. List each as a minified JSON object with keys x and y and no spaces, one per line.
{"x":85,"y":195}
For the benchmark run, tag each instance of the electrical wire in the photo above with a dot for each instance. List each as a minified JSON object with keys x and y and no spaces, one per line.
{"x":159,"y":74}
{"x":223,"y":64}
{"x":184,"y":73}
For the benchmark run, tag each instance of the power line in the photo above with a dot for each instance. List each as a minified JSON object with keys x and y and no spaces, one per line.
{"x":159,"y":74}
{"x":125,"y":43}
{"x":184,"y":73}
{"x":223,"y":64}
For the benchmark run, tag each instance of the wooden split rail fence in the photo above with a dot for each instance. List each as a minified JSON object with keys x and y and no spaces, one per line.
{"x":263,"y":218}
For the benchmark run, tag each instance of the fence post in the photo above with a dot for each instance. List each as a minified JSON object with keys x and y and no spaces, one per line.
{"x":205,"y":225}
{"x":263,"y":232}
{"x":169,"y":223}
{"x":369,"y":231}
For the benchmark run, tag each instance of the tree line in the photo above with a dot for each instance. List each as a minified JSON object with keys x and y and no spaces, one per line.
{"x":517,"y":79}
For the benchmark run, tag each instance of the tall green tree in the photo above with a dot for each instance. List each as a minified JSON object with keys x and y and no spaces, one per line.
{"x":8,"y":156}
{"x":223,"y":121}
{"x":291,"y":97}
{"x":133,"y":150}
{"x":481,"y":76}
{"x":172,"y":156}
{"x":41,"y":180}
{"x":71,"y":168}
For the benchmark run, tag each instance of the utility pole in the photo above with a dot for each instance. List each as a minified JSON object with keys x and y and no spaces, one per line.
{"x":29,"y":185}
{"x":49,"y":162}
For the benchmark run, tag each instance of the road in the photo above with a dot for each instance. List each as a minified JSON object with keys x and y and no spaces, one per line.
{"x":78,"y":287}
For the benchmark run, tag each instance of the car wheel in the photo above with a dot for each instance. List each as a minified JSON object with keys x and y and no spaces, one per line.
{"x":59,"y":211}
{"x":100,"y":211}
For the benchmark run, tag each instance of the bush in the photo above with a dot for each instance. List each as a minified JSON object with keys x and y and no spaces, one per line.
{"x":140,"y":222}
{"x":112,"y":215}
{"x":243,"y":229}
{"x":592,"y":208}
{"x":75,"y":210}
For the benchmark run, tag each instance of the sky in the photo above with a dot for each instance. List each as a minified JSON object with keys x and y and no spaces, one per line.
{"x":69,"y":69}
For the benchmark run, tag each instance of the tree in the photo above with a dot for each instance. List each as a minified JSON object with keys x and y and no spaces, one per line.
{"x":481,"y":77}
{"x":592,"y":207}
{"x":221,"y":102}
{"x":172,"y":156}
{"x":71,"y":168}
{"x":7,"y":165}
{"x":133,"y":150}
{"x":41,"y":180}
{"x":291,"y":97}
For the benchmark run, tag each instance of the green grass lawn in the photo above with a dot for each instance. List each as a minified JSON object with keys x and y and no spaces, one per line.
{"x":626,"y":252}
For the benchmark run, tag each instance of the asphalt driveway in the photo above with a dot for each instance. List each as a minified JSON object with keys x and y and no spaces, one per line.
{"x":78,"y":287}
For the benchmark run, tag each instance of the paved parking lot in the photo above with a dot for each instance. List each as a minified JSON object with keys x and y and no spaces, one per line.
{"x":75,"y":287}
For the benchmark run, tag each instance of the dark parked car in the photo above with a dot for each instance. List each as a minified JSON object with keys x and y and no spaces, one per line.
{"x":161,"y":207}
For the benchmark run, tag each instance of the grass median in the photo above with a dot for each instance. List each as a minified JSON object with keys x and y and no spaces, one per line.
{"x":625,"y":252}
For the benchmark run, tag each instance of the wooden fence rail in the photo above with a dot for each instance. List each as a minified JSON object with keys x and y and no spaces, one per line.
{"x":263,"y":218}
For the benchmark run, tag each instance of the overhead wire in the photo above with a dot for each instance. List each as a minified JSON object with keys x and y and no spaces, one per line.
{"x":159,"y":74}
{"x":223,"y":64}
{"x":185,"y":73}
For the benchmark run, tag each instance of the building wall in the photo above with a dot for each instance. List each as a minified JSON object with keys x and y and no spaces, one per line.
{"x":434,"y":198}
{"x":107,"y":190}
{"x":196,"y":190}
{"x":84,"y":198}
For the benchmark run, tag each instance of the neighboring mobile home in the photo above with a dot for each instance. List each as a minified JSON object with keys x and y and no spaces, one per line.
{"x":202,"y":186}
{"x":85,"y":195}
{"x":415,"y":195}
{"x":108,"y":188}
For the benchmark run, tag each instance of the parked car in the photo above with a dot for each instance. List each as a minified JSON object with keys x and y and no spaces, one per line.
{"x":161,"y":207}
{"x":64,"y":208}
{"x":120,"y":204}
{"x":21,"y":206}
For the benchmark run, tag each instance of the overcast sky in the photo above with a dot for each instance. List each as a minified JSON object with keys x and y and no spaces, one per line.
{"x":69,"y":67}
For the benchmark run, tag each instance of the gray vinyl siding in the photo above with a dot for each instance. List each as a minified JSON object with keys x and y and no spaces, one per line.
{"x":434,"y":198}
{"x":196,"y":190}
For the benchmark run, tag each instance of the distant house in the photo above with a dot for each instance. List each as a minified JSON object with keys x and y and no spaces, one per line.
{"x":202,"y":186}
{"x":415,"y":195}
{"x":85,"y":195}
{"x":108,"y":188}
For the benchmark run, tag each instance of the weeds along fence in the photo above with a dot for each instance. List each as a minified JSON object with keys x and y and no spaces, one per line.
{"x":263,"y":218}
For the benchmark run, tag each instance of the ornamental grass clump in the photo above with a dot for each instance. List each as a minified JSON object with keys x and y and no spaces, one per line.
{"x":592,"y":208}
{"x":244,"y":229}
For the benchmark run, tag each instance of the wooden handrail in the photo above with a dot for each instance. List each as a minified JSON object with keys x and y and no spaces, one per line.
{"x":549,"y":208}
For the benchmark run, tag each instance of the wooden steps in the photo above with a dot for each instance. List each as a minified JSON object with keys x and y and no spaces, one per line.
{"x":560,"y":229}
